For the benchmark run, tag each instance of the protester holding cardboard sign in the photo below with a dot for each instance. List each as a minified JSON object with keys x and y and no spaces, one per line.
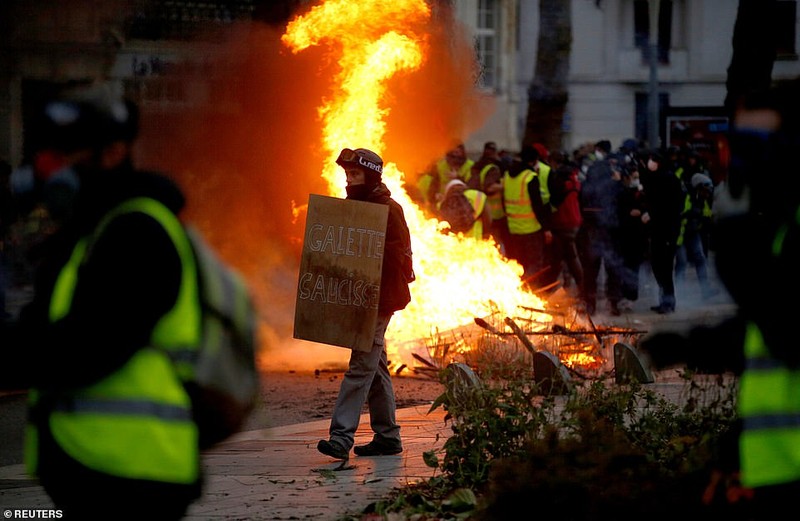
{"x":367,"y":379}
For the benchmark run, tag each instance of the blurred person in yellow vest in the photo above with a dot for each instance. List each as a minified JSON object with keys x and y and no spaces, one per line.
{"x":454,"y":165}
{"x":756,"y":237}
{"x":551,"y":264}
{"x":528,"y":216}
{"x":111,"y":432}
{"x":465,"y":210}
{"x":487,"y":176}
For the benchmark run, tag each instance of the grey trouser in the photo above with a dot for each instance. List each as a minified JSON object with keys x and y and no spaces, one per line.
{"x":367,"y":380}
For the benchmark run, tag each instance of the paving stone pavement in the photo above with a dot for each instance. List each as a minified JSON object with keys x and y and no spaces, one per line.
{"x":277,"y":473}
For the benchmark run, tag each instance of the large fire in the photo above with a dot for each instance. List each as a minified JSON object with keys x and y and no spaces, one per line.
{"x":458,"y":278}
{"x":389,"y":75}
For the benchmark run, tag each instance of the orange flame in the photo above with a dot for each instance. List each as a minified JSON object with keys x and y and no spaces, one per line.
{"x":458,"y":278}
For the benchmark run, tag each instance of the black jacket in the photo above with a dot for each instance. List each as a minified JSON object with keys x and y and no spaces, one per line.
{"x":665,"y":200}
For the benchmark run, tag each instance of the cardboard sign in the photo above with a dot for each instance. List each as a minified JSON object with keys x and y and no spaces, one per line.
{"x":340,"y":272}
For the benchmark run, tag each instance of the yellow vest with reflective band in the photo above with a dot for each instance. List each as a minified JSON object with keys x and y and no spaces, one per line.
{"x":464,"y":172}
{"x":137,"y":422}
{"x":769,"y":406}
{"x":478,"y":200}
{"x":544,"y":173}
{"x":687,"y":205}
{"x":495,"y":200}
{"x":521,"y":218}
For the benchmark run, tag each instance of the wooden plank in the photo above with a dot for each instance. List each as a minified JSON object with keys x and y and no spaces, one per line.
{"x":340,"y":272}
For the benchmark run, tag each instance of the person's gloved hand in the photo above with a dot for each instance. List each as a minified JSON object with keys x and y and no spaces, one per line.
{"x":664,"y":349}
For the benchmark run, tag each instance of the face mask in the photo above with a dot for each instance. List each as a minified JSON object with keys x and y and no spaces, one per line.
{"x":358,"y":192}
{"x":636,"y":184}
{"x":599,"y":155}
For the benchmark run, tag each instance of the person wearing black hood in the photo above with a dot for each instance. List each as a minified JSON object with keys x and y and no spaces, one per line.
{"x":665,"y":199}
{"x":110,"y":428}
{"x":367,"y":379}
{"x":599,"y":233}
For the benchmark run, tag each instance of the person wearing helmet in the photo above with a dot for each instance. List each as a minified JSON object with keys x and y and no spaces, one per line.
{"x":367,"y":379}
{"x":110,"y":423}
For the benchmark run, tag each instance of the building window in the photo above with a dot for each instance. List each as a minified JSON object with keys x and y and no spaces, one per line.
{"x":486,"y":42}
{"x":786,"y":30}
{"x":641,"y":24}
{"x":185,"y":19}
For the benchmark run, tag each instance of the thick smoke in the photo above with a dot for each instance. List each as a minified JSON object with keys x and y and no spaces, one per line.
{"x":246,"y":150}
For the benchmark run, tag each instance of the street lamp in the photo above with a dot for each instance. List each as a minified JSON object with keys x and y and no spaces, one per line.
{"x":652,"y":107}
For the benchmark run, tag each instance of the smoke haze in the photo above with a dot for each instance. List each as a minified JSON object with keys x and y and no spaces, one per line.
{"x":247,"y":154}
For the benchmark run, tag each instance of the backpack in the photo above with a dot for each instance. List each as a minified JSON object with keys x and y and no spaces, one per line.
{"x":559,"y":185}
{"x":458,"y":212}
{"x":225,"y":383}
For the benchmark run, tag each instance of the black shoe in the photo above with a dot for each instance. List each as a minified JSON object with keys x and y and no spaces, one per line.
{"x":376,"y":448}
{"x":332,"y":449}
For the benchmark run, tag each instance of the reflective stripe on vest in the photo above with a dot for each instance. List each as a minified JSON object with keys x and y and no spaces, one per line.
{"x":521,"y":218}
{"x":769,"y":406}
{"x":135,"y":423}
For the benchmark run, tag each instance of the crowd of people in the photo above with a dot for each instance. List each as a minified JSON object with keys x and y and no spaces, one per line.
{"x":113,"y":416}
{"x":576,"y":220}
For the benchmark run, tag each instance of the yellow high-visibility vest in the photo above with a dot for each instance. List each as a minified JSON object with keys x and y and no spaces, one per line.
{"x":521,"y":218}
{"x":464,"y":172}
{"x":478,"y":201}
{"x":135,"y":423}
{"x":769,"y":406}
{"x":544,"y":189}
{"x":495,"y":200}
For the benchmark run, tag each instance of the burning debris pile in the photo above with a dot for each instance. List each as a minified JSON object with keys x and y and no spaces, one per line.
{"x":566,"y":334}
